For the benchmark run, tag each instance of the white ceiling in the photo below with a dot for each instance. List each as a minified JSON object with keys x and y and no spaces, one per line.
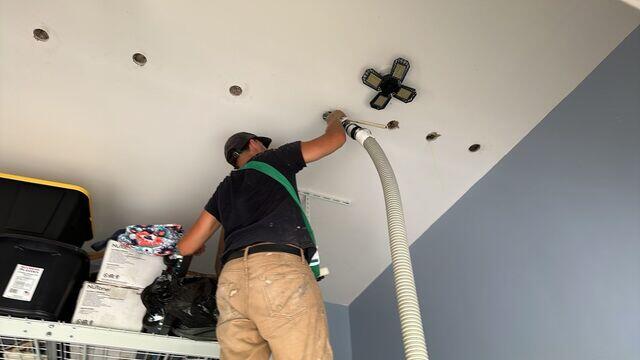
{"x":147,"y":141}
{"x":635,"y":3}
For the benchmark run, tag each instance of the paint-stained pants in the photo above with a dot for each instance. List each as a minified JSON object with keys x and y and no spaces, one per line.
{"x":270,"y":303}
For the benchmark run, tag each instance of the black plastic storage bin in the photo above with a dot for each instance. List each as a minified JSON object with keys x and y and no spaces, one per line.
{"x":45,"y":209}
{"x":43,"y":224}
{"x":50,"y":273}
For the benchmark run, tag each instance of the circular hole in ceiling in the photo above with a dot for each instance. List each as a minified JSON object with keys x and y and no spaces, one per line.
{"x":474,"y":147}
{"x":139,"y":59}
{"x":432,"y":136}
{"x":393,"y":124}
{"x":40,"y":35}
{"x":235,"y":90}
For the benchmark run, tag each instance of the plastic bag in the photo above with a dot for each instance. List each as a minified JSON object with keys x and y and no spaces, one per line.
{"x":156,"y":296}
{"x":194,"y":305}
{"x":194,"y":309}
{"x":181,"y":306}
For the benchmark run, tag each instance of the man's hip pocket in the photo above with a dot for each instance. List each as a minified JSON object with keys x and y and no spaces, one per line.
{"x":287,"y":294}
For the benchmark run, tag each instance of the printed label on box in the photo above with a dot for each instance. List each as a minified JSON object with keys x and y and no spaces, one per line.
{"x":23,"y":283}
{"x":123,"y":266}
{"x":109,"y":306}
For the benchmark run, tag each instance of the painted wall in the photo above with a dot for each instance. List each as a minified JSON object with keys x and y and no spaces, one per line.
{"x":541,"y":258}
{"x":339,"y":330}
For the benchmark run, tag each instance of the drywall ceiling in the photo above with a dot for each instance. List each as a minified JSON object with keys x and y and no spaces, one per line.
{"x":635,"y":3}
{"x":147,"y":141}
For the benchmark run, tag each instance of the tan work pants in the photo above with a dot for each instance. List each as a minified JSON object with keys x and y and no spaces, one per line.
{"x":270,"y":303}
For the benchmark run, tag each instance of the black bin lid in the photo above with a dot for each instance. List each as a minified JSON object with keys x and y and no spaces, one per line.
{"x":46,"y":209}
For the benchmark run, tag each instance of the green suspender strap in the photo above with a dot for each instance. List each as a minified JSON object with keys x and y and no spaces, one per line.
{"x":277,"y":176}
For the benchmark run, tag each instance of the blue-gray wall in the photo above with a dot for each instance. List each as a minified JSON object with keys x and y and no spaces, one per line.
{"x":339,"y":330}
{"x":541,"y":258}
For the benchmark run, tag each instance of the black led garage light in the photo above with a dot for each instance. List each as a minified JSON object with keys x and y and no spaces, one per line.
{"x":389,"y":85}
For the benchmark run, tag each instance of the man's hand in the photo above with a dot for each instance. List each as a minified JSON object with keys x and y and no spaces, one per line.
{"x":336,"y":115}
{"x":333,"y":138}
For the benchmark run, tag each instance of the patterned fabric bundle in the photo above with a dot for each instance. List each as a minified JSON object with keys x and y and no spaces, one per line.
{"x":157,"y":240}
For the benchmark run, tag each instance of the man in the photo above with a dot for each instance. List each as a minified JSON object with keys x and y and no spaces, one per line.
{"x":267,"y":295}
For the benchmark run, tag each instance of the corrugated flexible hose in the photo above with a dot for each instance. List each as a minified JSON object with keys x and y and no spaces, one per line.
{"x":415,"y":347}
{"x":413,"y":340}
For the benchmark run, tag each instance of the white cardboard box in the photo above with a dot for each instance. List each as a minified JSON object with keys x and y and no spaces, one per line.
{"x":109,"y":306}
{"x":123,"y":266}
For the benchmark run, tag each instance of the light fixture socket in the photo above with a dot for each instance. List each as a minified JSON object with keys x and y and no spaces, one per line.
{"x":474,"y":147}
{"x":40,"y":35}
{"x":235,"y":90}
{"x":139,"y":59}
{"x":432,"y":136}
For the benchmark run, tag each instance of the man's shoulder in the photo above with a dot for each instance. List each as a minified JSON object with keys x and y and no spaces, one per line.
{"x":286,"y":158}
{"x":294,"y":145}
{"x":228,"y":179}
{"x":280,"y":153}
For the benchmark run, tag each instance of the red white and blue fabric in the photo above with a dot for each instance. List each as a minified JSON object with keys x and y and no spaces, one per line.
{"x":157,"y":240}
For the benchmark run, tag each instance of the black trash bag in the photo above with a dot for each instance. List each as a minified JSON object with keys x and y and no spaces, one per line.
{"x":195,"y":303}
{"x":182,"y":306}
{"x":156,"y":296}
{"x":194,"y":309}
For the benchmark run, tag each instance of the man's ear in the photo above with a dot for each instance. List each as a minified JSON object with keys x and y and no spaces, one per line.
{"x":252,"y":144}
{"x":255,"y":145}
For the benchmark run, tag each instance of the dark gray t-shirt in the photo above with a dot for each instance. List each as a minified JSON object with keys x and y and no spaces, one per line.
{"x":254,"y":208}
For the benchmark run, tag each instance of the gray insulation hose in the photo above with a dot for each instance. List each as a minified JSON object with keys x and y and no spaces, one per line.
{"x":413,"y":340}
{"x":415,"y":347}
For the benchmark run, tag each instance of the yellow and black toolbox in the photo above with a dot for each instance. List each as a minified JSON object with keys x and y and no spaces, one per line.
{"x":43,"y":225}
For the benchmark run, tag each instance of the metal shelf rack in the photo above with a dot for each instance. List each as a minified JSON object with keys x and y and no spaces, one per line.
{"x":25,"y":339}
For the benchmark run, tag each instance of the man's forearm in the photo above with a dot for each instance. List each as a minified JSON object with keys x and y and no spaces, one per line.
{"x":335,"y":132}
{"x":190,"y":243}
{"x":332,"y":139}
{"x":198,"y":234}
{"x":334,"y":127}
